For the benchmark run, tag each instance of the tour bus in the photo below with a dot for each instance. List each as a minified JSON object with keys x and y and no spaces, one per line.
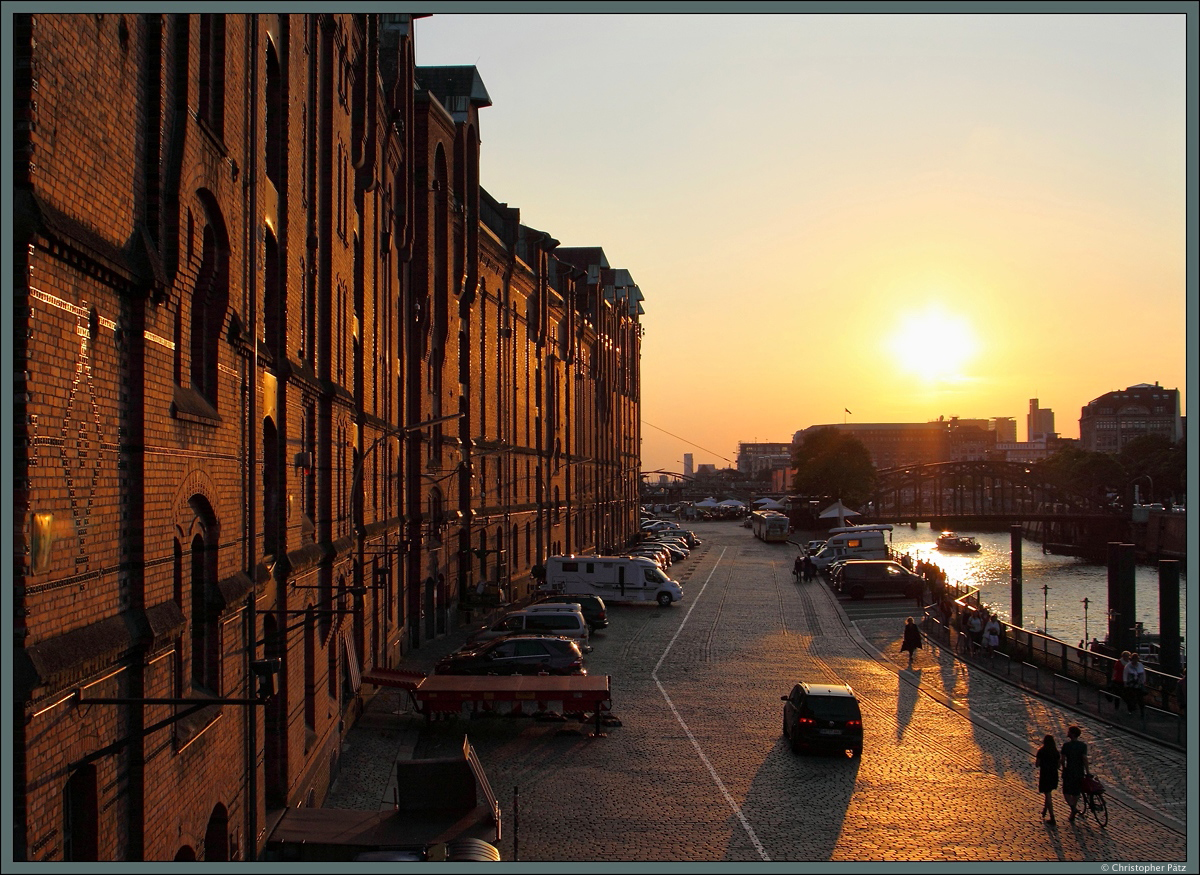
{"x":620,"y":579}
{"x":854,"y":542}
{"x":769,"y":525}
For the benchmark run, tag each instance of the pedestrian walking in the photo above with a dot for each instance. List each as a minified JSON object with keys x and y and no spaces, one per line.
{"x":991,"y":635}
{"x":1048,"y":764}
{"x":912,"y":640}
{"x":1074,"y":767}
{"x":798,"y":567}
{"x":810,"y":568}
{"x":1135,"y":684}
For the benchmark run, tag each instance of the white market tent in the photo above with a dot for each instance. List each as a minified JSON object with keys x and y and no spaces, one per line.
{"x":708,"y":502}
{"x":730,"y":502}
{"x":769,"y":504}
{"x":839,"y":510}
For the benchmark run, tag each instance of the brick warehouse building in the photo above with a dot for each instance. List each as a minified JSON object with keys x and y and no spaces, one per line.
{"x":289,"y":383}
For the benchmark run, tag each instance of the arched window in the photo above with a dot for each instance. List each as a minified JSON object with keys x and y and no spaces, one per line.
{"x":272,"y":472}
{"x":206,"y":627}
{"x":275,"y":139}
{"x":273,"y":303}
{"x":210,"y":299}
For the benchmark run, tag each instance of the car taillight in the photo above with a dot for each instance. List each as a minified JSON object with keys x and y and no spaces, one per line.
{"x":854,"y":724}
{"x":805,"y":720}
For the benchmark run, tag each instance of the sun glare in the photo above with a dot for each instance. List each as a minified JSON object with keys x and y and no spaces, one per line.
{"x":934,"y":344}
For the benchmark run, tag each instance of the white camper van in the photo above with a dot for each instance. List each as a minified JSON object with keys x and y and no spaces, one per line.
{"x":854,"y":542}
{"x":619,"y":579}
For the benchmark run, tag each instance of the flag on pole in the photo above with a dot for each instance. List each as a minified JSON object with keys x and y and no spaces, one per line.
{"x":847,"y":411}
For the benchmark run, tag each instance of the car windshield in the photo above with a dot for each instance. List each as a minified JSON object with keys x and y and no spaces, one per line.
{"x":833,"y":708}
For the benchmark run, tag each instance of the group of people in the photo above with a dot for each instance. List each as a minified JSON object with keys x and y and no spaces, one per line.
{"x":1072,"y":762}
{"x":1128,"y":682}
{"x":804,"y":568}
{"x":982,"y":630}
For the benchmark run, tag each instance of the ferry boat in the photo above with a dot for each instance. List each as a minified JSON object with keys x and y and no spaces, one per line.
{"x":955,"y":543}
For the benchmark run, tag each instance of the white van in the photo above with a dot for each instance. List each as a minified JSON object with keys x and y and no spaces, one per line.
{"x":620,"y":579}
{"x":854,"y":542}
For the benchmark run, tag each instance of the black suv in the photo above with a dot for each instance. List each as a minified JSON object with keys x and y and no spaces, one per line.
{"x":823,"y":717}
{"x":516,"y":654}
{"x":859,"y":578}
{"x":592,"y":606}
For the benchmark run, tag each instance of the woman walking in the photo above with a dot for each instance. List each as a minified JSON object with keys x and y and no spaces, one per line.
{"x":912,"y":640}
{"x":1047,"y":762}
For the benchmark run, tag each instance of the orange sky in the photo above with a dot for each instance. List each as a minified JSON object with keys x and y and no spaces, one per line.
{"x":905,"y":216}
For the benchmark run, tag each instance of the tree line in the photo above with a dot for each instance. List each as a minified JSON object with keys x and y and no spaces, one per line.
{"x":833,"y":465}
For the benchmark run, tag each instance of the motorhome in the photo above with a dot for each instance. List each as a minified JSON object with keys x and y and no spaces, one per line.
{"x":619,"y":579}
{"x":854,"y":542}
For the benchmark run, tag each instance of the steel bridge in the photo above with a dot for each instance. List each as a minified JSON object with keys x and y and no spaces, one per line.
{"x":980,"y":492}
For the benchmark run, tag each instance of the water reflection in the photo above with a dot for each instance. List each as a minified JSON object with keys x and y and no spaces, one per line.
{"x":1069,"y":580}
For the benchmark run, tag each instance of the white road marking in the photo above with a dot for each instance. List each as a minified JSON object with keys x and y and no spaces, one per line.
{"x":704,"y":759}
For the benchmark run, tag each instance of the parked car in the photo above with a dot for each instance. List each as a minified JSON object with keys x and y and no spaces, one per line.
{"x":566,"y":622}
{"x":814,"y":547}
{"x":675,"y":538}
{"x":823,"y":717}
{"x":687,"y":538}
{"x":859,"y":578}
{"x":591,"y":606}
{"x":661,"y":555}
{"x":676,"y":550}
{"x":516,"y":654}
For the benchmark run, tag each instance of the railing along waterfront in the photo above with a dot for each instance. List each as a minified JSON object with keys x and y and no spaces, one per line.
{"x":1047,"y":664}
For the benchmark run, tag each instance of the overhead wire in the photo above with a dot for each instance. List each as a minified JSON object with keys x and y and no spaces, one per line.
{"x":690,"y":443}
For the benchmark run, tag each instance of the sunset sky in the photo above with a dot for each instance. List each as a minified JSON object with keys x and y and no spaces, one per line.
{"x":903,"y":216}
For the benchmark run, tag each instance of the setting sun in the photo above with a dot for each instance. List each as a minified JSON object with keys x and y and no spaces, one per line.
{"x":934,"y":344}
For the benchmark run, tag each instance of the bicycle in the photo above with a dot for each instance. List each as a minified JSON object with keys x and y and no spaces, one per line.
{"x":1093,"y":800}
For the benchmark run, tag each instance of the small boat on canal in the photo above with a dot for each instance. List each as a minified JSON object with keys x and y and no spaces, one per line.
{"x":951,"y":542}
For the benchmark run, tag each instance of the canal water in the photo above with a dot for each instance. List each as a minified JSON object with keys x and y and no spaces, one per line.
{"x":1059,"y":610}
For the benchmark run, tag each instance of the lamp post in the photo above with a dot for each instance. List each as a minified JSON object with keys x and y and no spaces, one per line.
{"x":1133,"y":483}
{"x":1086,"y":602}
{"x":1046,"y":608}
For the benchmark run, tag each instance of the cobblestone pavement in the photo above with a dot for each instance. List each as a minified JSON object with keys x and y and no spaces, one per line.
{"x":699,"y":770}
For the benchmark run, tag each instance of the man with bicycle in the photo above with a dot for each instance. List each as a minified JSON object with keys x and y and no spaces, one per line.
{"x":1074,"y":767}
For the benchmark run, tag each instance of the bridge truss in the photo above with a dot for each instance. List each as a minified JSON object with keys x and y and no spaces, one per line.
{"x":996,"y":491}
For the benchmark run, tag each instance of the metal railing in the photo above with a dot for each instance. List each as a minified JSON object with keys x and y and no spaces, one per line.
{"x":1063,"y":671}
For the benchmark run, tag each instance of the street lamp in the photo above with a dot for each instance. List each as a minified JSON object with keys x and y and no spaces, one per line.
{"x":1046,"y":608}
{"x":1086,"y":602}
{"x":1133,"y":483}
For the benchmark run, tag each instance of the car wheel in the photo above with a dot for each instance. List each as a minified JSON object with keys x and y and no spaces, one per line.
{"x":664,"y":599}
{"x":857,"y":593}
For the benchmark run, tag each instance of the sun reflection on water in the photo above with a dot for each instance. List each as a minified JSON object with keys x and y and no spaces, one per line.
{"x":1060,"y":609}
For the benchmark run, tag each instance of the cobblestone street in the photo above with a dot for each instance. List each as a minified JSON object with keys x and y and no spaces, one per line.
{"x":699,"y":770}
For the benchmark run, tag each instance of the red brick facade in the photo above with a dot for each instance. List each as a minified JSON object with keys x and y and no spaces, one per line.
{"x":289,"y":382}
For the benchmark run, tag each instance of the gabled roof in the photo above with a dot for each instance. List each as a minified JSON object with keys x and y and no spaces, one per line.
{"x":449,"y":83}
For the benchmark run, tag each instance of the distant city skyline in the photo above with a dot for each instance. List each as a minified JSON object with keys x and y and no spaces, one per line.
{"x":903,"y":216}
